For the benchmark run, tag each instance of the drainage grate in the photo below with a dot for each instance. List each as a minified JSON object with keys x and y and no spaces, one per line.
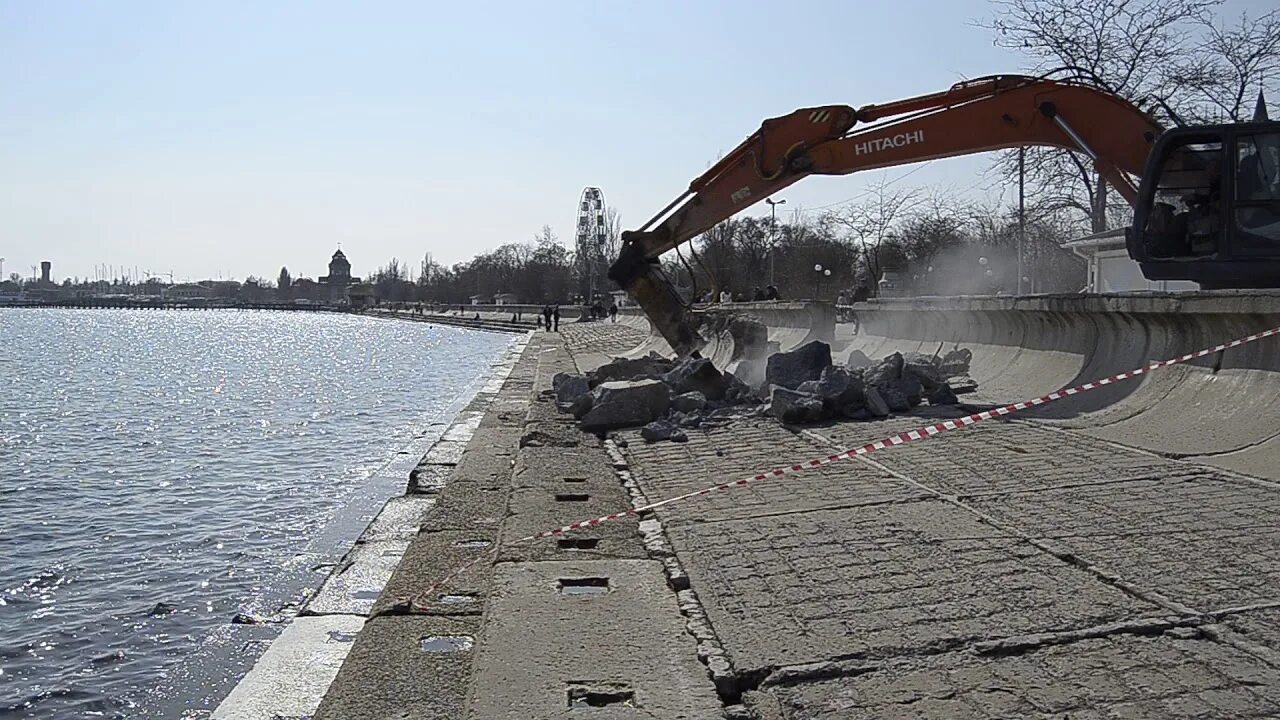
{"x":572,"y":497}
{"x":575,"y":479}
{"x":472,"y":544}
{"x":584,"y":586}
{"x":446,"y":643}
{"x":365,"y":594}
{"x":577,"y":543}
{"x":601,"y":695}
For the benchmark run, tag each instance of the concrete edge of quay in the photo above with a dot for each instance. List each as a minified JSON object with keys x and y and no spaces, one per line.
{"x":291,"y":677}
{"x":532,"y":629}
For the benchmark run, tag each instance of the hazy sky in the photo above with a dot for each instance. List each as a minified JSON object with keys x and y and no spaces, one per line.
{"x":236,"y":137}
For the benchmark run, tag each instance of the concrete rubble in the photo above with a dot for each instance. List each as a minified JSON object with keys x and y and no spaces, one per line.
{"x":661,"y":395}
{"x":802,"y":386}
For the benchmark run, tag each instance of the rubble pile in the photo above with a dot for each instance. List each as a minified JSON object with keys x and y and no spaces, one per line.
{"x":806,"y":387}
{"x":666,"y":397}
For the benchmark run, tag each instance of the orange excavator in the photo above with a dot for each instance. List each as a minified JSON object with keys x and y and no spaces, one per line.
{"x":1206,"y":203}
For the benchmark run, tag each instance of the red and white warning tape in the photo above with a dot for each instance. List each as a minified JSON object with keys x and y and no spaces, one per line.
{"x":920,"y":433}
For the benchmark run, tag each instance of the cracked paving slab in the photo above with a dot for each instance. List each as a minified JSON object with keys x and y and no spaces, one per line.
{"x":1177,"y":675}
{"x":880,"y":581}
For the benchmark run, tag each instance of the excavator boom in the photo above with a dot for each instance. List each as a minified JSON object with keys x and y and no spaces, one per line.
{"x":976,"y":116}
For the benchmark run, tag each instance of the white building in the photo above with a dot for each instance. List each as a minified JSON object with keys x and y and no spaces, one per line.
{"x":187,"y":291}
{"x":1112,"y":270}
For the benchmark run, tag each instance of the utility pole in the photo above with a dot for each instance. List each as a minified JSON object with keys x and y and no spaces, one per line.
{"x":1022,"y":211}
{"x":773,"y":235}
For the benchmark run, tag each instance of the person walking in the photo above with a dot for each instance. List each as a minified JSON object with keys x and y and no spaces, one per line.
{"x":555,"y":315}
{"x":546,"y":316}
{"x":726,"y":296}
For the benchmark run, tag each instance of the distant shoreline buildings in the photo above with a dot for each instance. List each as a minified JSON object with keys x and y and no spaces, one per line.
{"x":337,"y":288}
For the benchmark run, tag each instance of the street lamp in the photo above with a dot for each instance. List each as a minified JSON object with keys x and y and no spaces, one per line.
{"x":821,"y":272}
{"x":773,"y":230}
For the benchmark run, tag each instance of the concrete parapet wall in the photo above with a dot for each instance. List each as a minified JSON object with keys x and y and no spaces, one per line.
{"x":1221,"y":405}
{"x":790,"y":325}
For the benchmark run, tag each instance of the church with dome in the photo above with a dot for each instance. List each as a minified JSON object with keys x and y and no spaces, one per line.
{"x":337,"y":283}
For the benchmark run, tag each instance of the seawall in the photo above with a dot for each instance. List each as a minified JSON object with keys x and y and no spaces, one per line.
{"x":1220,"y":408}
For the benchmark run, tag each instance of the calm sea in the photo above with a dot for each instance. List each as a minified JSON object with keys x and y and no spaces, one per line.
{"x":162,"y":471}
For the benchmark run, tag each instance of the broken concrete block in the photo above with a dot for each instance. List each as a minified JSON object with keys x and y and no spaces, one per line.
{"x":628,"y":369}
{"x":789,"y":369}
{"x":793,"y":406}
{"x":689,"y":402}
{"x":625,"y":403}
{"x":568,"y":388}
{"x":885,"y":371}
{"x":696,"y":375}
{"x":660,"y":430}
{"x":876,"y":404}
{"x":922,"y":368}
{"x":955,"y":362}
{"x":962,"y":384}
{"x":942,"y":395}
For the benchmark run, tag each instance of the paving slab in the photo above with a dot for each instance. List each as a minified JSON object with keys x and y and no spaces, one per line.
{"x":880,"y":581}
{"x":1174,"y":676}
{"x":474,"y":506}
{"x":999,"y":456}
{"x":553,"y":488}
{"x":429,"y":559}
{"x":540,"y":649}
{"x":1198,"y":537}
{"x":290,"y":678}
{"x":713,"y":456}
{"x":407,"y":668}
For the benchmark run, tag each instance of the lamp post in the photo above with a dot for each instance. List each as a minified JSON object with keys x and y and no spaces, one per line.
{"x":821,"y":272}
{"x":773,"y":231}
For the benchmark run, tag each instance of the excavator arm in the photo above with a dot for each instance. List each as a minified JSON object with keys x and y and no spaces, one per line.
{"x":976,"y":116}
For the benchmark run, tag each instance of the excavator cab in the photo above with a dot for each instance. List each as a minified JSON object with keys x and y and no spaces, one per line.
{"x":1208,"y":208}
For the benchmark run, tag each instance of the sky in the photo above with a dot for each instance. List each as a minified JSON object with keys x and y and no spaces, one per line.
{"x":233,"y":138}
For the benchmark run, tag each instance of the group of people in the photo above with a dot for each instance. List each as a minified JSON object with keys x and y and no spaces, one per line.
{"x":551,"y":317}
{"x":758,"y":294}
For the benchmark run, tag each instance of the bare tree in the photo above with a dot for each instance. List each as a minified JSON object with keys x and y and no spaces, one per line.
{"x":872,"y":221}
{"x":1131,"y":47}
{"x":1230,"y":63}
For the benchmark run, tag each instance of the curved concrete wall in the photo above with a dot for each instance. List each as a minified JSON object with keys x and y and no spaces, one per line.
{"x":790,"y":325}
{"x":1222,"y":406}
{"x":1222,"y":409}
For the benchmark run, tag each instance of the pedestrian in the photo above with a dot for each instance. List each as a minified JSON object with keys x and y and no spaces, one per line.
{"x":771,"y":293}
{"x":613,"y":312}
{"x":726,"y":296}
{"x":555,"y":314}
{"x":757,"y":294}
{"x":546,"y":315}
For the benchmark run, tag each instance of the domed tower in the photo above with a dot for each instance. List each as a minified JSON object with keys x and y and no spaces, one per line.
{"x":339,"y":269}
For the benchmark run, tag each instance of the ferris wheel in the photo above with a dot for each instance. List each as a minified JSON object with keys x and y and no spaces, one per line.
{"x":591,"y":234}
